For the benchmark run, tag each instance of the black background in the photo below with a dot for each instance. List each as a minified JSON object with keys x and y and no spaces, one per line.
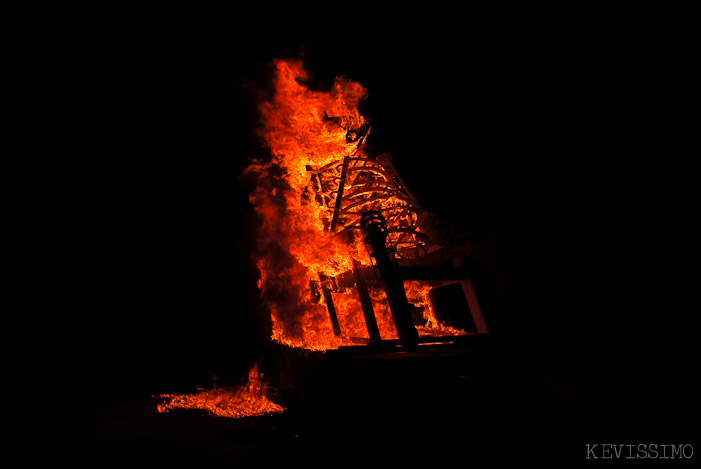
{"x":563,"y":137}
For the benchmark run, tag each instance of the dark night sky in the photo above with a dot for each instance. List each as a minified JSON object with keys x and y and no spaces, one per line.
{"x":561,"y":139}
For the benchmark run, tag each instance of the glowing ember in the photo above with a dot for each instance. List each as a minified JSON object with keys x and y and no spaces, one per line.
{"x":309,"y":231}
{"x":249,"y":400}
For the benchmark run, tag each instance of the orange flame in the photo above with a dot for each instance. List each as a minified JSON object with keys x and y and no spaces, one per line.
{"x":249,"y":400}
{"x":295,"y":246}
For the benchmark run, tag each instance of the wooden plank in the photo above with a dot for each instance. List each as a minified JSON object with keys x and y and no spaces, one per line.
{"x":432,"y":273}
{"x":339,"y":195}
{"x":366,"y":303}
{"x":474,"y":305}
{"x":476,"y":341}
{"x":330,"y":305}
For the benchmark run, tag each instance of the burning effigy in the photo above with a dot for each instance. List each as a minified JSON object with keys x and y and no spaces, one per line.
{"x":320,"y":277}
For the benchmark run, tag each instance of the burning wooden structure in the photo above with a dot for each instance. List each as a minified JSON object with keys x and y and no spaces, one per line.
{"x":369,"y":200}
{"x":347,"y":255}
{"x":364,"y":288}
{"x":350,"y":263}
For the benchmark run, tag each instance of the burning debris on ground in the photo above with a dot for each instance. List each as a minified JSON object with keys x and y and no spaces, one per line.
{"x":247,"y":400}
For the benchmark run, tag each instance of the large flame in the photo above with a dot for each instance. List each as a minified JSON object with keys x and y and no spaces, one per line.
{"x":296,"y":248}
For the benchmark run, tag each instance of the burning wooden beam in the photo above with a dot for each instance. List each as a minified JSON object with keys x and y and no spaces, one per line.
{"x":366,"y":303}
{"x":330,"y":306}
{"x":375,"y":231}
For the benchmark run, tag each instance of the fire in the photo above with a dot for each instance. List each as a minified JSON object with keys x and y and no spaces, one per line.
{"x":306,"y":238}
{"x":249,"y":400}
